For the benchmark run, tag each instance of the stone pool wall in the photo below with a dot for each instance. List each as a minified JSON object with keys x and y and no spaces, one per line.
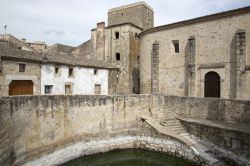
{"x":120,"y":142}
{"x":33,"y":126}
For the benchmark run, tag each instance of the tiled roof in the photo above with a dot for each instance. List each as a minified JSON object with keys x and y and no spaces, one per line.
{"x":7,"y":53}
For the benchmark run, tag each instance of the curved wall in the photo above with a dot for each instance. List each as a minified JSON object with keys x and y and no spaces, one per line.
{"x":35,"y":126}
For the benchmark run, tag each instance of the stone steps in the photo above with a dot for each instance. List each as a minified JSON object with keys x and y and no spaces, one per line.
{"x":174,"y":125}
{"x":176,"y":128}
{"x":170,"y":122}
{"x":186,"y":135}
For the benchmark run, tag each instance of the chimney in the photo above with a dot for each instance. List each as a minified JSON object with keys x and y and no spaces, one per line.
{"x":101,"y":25}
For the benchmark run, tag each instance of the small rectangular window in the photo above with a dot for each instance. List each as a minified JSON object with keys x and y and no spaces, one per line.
{"x":97,"y":89}
{"x":48,"y":89}
{"x":70,"y":72}
{"x":22,"y":67}
{"x":176,"y":46}
{"x":56,"y":70}
{"x":67,"y":89}
{"x":117,"y":35}
{"x":118,"y":57}
{"x":95,"y":71}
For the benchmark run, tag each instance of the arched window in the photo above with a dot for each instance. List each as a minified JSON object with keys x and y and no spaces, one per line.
{"x":212,"y":85}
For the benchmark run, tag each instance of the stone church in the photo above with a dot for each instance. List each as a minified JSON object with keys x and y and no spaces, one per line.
{"x":201,"y":57}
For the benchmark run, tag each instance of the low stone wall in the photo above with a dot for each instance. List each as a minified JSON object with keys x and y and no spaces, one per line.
{"x":33,"y":126}
{"x":229,"y":145}
{"x":207,"y":108}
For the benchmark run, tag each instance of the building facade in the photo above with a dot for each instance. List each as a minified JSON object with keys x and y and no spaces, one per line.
{"x":29,"y":73}
{"x":118,"y":43}
{"x":202,"y":57}
{"x":62,"y":79}
{"x":19,"y":77}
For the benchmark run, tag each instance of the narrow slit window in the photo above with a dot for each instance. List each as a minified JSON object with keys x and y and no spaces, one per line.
{"x":176,"y":46}
{"x":95,"y":71}
{"x":56,"y":70}
{"x":71,"y":72}
{"x":118,"y":56}
{"x":117,"y":35}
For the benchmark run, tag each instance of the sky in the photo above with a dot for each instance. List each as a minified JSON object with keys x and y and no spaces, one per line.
{"x":69,"y":21}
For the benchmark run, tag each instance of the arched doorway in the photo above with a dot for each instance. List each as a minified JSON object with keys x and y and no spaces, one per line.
{"x":212,"y":85}
{"x":21,"y":87}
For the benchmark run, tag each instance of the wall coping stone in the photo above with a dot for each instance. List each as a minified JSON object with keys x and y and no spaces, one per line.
{"x":238,"y":127}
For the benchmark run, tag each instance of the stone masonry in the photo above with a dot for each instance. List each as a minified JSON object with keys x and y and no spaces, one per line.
{"x":168,"y":65}
{"x":216,"y":43}
{"x":33,"y":126}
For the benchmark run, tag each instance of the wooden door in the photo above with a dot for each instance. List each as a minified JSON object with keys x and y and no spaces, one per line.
{"x":21,"y":87}
{"x":212,"y":85}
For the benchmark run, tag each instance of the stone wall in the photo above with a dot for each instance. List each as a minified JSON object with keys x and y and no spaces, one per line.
{"x":59,"y":48}
{"x":83,"y":50}
{"x":126,"y":142}
{"x":229,"y":145}
{"x":15,"y":43}
{"x":127,"y":45}
{"x":208,"y":108}
{"x":40,"y":124}
{"x":216,"y":49}
{"x":139,"y":14}
{"x":32,"y":126}
{"x":10,"y":71}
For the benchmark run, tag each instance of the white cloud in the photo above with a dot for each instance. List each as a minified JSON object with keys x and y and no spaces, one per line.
{"x":70,"y":22}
